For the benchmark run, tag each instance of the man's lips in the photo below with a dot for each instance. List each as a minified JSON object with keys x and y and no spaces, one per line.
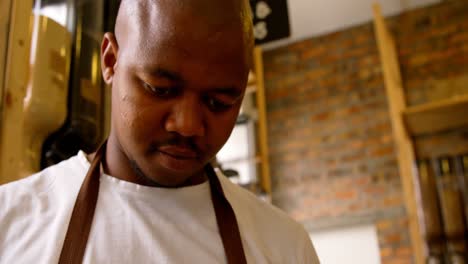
{"x":178,"y":152}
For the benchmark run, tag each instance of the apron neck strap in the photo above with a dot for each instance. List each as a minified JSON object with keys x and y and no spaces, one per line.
{"x":76,"y":238}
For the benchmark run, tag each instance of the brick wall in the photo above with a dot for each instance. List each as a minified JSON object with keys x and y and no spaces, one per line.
{"x":333,"y":160}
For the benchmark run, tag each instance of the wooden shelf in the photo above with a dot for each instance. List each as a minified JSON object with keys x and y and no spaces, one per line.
{"x":437,"y":116}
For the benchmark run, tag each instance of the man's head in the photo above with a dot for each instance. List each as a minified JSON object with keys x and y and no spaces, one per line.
{"x":178,"y":70}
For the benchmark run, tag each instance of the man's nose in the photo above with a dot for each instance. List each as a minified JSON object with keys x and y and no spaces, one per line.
{"x":186,"y":117}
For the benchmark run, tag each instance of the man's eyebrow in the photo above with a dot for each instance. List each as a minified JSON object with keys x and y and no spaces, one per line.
{"x":164,"y":73}
{"x":160,"y":72}
{"x":229,"y":91}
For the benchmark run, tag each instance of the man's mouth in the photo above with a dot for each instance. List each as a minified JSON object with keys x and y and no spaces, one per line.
{"x":178,"y":158}
{"x":179,"y":152}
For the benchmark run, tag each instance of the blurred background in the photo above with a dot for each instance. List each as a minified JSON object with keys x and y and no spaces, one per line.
{"x":355,"y":119}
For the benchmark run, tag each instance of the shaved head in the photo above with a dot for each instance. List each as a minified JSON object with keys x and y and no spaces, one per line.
{"x":144,"y":22}
{"x":178,"y":71}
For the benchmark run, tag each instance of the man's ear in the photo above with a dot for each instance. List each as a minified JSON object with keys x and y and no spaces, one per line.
{"x":109,"y":50}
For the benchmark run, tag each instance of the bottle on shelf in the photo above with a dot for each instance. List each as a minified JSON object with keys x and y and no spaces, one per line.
{"x":452,"y":211}
{"x":433,"y":232}
{"x":463,"y":160}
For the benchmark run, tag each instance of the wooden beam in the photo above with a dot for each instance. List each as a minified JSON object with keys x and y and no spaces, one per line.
{"x":16,"y":80}
{"x":437,"y":116}
{"x":262,"y":122}
{"x":4,"y":28}
{"x":404,"y":145}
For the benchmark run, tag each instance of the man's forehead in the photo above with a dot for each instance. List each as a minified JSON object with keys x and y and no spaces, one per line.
{"x":179,"y":16}
{"x":186,"y":60}
{"x":211,"y":12}
{"x":146,"y":26}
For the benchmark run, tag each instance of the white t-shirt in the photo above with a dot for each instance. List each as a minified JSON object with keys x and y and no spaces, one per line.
{"x":139,"y":224}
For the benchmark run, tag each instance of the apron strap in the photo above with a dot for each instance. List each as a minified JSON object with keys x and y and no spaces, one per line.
{"x":226,"y":219}
{"x":76,"y":238}
{"x":82,"y":216}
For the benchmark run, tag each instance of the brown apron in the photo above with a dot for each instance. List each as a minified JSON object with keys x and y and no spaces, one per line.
{"x":82,"y":217}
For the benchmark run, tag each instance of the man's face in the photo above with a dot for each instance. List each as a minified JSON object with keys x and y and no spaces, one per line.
{"x":176,"y":94}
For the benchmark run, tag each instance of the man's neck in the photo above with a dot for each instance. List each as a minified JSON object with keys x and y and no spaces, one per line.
{"x":142,"y":180}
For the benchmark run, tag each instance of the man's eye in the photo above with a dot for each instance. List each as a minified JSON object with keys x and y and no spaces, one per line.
{"x":160,"y":91}
{"x":217,"y":105}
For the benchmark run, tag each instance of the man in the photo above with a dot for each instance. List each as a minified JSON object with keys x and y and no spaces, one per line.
{"x":178,"y":71}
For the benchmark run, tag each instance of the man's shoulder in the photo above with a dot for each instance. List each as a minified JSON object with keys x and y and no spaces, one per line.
{"x":259,"y":213}
{"x":268,"y":229}
{"x":37,"y":209}
{"x":66,"y":172}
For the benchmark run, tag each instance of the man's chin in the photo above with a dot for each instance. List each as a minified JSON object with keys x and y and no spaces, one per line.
{"x":168,"y":171}
{"x":177,"y":164}
{"x":174,"y":181}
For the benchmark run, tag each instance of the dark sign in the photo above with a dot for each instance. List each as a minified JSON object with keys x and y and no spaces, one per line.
{"x":271,"y":20}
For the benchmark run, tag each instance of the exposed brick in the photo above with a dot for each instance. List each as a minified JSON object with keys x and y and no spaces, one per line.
{"x":404,"y":251}
{"x":332,"y":149}
{"x":345,"y":195}
{"x":398,"y":260}
{"x":316,"y":73}
{"x":386,"y":252}
{"x":313,"y":52}
{"x":384,"y":224}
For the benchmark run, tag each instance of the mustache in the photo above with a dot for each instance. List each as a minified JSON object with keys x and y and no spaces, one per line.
{"x":175,"y":140}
